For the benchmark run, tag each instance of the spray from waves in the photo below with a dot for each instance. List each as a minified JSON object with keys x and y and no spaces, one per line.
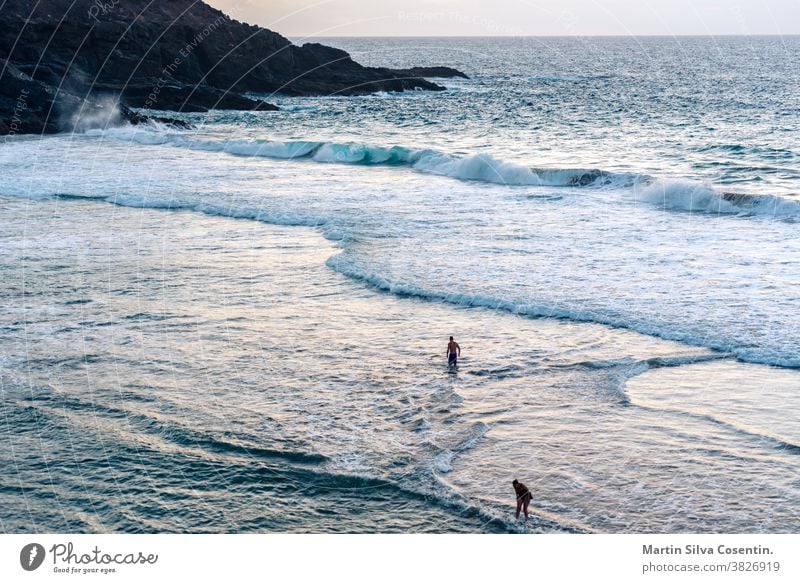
{"x":690,"y":196}
{"x":102,"y":112}
{"x":474,"y":167}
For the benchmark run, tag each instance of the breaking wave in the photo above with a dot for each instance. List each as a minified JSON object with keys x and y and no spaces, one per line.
{"x":698,"y":197}
{"x":682,"y":195}
{"x":474,"y":167}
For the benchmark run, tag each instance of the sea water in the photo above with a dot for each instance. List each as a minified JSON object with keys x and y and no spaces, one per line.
{"x":242,"y":327}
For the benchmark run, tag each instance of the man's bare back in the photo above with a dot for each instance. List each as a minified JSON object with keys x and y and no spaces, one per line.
{"x":453,"y":352}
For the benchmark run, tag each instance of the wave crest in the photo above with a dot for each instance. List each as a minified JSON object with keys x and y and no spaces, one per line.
{"x":699,"y":197}
{"x":475,"y":167}
{"x":683,"y":195}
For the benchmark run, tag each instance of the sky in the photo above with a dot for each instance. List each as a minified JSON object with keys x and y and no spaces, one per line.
{"x":303,"y":18}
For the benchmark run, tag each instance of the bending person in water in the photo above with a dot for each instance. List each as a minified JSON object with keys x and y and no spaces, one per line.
{"x":453,"y":352}
{"x":523,"y":497}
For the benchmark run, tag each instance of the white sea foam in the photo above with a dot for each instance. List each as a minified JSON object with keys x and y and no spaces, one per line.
{"x":298,"y":107}
{"x":287,"y":219}
{"x":443,"y":462}
{"x":534,"y":310}
{"x":282,"y":150}
{"x":699,"y":197}
{"x":138,"y":134}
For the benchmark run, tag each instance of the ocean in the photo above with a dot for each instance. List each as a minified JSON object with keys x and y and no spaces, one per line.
{"x":242,"y":327}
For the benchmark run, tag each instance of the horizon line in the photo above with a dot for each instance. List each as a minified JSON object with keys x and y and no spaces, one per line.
{"x":696,"y":35}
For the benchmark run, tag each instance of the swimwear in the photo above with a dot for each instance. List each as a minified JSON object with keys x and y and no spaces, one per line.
{"x":452,"y":358}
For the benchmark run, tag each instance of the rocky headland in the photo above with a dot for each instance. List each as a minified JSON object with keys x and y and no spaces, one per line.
{"x":63,"y":62}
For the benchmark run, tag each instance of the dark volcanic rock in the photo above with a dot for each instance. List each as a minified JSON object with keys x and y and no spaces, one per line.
{"x":184,"y":97}
{"x":33,"y":107}
{"x":181,"y":55}
{"x":26,"y":105}
{"x":442,"y":72}
{"x":136,"y":118}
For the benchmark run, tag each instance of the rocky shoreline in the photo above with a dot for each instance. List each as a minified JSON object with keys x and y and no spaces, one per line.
{"x":65,"y":64}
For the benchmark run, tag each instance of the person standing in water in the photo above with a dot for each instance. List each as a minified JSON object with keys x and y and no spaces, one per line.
{"x":453,"y":352}
{"x":523,"y":497}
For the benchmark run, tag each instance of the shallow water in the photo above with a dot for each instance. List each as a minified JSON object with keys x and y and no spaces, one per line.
{"x":611,"y":240}
{"x":172,"y":372}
